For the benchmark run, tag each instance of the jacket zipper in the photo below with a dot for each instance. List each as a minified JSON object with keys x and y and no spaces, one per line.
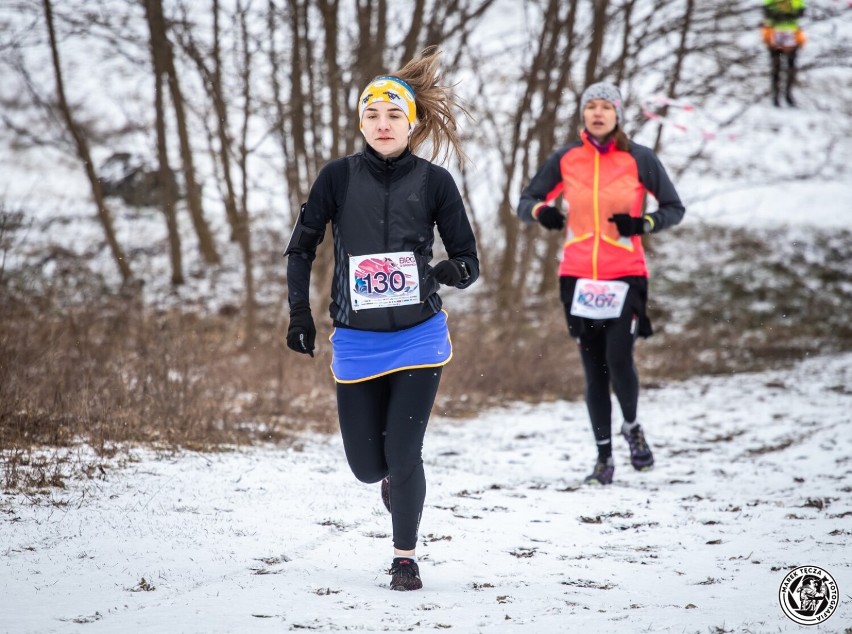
{"x":596,"y":209}
{"x":387,"y":226}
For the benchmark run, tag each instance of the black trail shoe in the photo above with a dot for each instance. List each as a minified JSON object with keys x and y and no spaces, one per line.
{"x":602,"y":473}
{"x":405,"y":575}
{"x":640,"y":453}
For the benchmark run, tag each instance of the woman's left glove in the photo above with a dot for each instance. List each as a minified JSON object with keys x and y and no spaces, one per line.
{"x":450,"y":272}
{"x":628,"y":225}
{"x":302,"y":333}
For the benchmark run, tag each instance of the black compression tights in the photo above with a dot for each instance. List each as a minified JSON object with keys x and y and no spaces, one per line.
{"x":606,"y":349}
{"x":383,"y":422}
{"x":776,"y":55}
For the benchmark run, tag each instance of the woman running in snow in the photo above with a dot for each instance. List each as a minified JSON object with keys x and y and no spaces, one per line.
{"x":391,"y":338}
{"x":603,"y":278}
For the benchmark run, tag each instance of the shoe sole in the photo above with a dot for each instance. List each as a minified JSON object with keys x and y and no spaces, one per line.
{"x":644,"y":467}
{"x":404,"y":589}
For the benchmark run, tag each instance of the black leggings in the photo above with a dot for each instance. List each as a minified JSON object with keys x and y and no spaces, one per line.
{"x":606,"y":349}
{"x":775,"y":55}
{"x":383,"y":422}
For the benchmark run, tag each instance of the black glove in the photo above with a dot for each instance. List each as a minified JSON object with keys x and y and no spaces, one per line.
{"x":449,"y":272}
{"x":551,"y":217}
{"x":628,"y":225}
{"x":302,"y":334}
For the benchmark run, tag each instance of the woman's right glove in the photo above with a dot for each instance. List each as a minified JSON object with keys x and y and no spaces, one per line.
{"x":550,"y":217}
{"x":302,"y":333}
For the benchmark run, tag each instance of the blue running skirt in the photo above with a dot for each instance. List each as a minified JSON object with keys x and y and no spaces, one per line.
{"x":361,"y":355}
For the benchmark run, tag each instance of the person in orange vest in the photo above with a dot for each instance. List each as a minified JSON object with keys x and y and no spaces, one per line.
{"x":603,"y":278}
{"x":783,"y":37}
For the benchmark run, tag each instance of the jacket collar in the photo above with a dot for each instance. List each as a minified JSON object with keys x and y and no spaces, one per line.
{"x":604,"y":147}
{"x":392,"y":166}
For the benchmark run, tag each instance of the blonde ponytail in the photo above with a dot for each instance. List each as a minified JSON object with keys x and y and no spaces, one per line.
{"x":435,"y":105}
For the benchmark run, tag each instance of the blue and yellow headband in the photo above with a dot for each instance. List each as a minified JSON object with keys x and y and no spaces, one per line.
{"x":391,"y":90}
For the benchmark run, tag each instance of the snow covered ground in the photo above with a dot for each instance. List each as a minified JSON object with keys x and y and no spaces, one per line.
{"x":753,"y":479}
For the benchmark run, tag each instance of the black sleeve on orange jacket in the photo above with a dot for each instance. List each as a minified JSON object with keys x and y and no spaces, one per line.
{"x":654,"y":178}
{"x":548,"y":177}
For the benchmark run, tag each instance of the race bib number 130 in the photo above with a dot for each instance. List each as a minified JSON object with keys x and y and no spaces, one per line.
{"x":599,"y":299}
{"x":381,"y":280}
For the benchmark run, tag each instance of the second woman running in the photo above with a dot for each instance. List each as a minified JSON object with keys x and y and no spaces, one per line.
{"x":603,"y":278}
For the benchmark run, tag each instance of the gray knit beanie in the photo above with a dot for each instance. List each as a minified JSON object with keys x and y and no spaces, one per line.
{"x":603,"y":90}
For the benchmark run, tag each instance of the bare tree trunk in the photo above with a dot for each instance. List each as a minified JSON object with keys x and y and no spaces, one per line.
{"x":297,"y":95}
{"x":302,"y":119}
{"x":169,"y":187}
{"x":243,"y":227}
{"x":222,"y":124}
{"x":625,"y":42}
{"x":371,"y":16}
{"x":160,"y":42}
{"x":329,"y":10}
{"x":295,"y":188}
{"x":213,"y":84}
{"x":411,"y":43}
{"x":104,"y":214}
{"x":598,"y":30}
{"x":592,"y":73}
{"x":167,"y":183}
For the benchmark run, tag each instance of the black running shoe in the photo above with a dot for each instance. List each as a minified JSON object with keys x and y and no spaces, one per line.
{"x":640,"y":453}
{"x":405,"y":575}
{"x":602,"y":473}
{"x":386,"y":493}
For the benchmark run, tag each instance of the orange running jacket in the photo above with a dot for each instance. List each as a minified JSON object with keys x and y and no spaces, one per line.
{"x":595,"y":184}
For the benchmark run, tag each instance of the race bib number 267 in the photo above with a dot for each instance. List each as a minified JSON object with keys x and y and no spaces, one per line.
{"x":599,"y":299}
